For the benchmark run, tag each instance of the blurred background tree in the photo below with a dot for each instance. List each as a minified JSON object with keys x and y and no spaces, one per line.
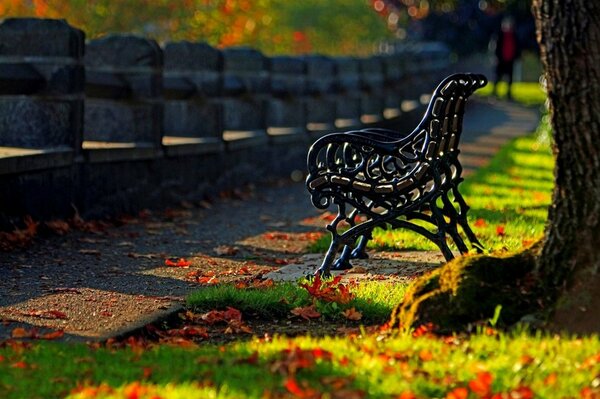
{"x":274,"y":26}
{"x":330,"y":27}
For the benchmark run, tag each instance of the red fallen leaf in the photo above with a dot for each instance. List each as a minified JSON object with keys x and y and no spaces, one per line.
{"x":1,"y":358}
{"x":59,"y":227}
{"x":524,"y":392}
{"x":328,"y":217}
{"x":480,"y":223}
{"x":589,"y":393}
{"x":268,"y":283}
{"x":240,"y":285}
{"x":19,"y":365}
{"x":458,"y":393}
{"x":216,"y":316}
{"x":207,"y":280}
{"x":181,"y":262}
{"x":320,"y":353}
{"x":425,"y":355}
{"x":147,"y":372}
{"x":329,"y":291}
{"x":276,"y":236}
{"x":424,"y":330}
{"x":307,"y":312}
{"x":20,"y":332}
{"x":53,"y":335}
{"x":236,"y":327}
{"x":551,"y":379}
{"x":352,"y":314}
{"x":407,"y":395}
{"x":482,"y":384}
{"x":500,"y":231}
{"x":292,"y":386}
{"x":106,"y":313}
{"x":188,"y":332}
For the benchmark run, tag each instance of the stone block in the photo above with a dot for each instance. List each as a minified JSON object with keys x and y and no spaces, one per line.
{"x":107,"y":120}
{"x":239,"y":114}
{"x":286,"y":113}
{"x":320,"y":74}
{"x":33,"y":37}
{"x":348,"y":78}
{"x":198,"y":63}
{"x":31,"y":122}
{"x":245,"y":71}
{"x":192,"y":119}
{"x":137,"y":117}
{"x":288,"y":76}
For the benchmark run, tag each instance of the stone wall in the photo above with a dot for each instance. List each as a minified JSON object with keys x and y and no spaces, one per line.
{"x":118,"y":124}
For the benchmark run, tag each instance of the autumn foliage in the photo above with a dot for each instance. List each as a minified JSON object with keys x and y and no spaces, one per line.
{"x":273,"y":26}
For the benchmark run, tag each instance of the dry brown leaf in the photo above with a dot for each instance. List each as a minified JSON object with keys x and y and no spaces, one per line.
{"x":352,"y":314}
{"x":307,"y":312}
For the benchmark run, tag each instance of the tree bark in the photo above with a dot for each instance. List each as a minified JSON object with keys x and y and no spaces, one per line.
{"x":569,"y":264}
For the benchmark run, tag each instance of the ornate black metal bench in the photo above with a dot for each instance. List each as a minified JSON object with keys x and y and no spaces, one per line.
{"x":380,"y":177}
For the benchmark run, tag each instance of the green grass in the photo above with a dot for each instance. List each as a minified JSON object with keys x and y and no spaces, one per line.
{"x":373,"y":299}
{"x":509,"y":200}
{"x":551,"y":366}
{"x":526,"y":93}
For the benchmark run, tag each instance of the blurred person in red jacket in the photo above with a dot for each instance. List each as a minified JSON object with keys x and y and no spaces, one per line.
{"x":507,"y":51}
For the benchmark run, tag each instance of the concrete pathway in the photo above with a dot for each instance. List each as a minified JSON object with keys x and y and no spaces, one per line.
{"x":111,"y":278}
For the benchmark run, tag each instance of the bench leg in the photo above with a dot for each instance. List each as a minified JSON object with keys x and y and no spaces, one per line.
{"x":343,"y":262}
{"x":325,"y":269}
{"x":452,"y":228}
{"x":360,"y":252}
{"x":462,"y":220}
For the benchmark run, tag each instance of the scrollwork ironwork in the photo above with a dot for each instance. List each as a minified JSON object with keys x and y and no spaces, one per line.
{"x":380,"y":177}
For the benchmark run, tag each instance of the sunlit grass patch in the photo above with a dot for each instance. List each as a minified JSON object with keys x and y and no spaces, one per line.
{"x":371,"y":366}
{"x":526,"y":93}
{"x":373,"y":299}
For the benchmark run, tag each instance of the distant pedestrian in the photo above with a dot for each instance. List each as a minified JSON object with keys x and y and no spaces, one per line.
{"x":507,"y":51}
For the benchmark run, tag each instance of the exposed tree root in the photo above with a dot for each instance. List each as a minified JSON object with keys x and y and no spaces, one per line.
{"x":467,"y":290}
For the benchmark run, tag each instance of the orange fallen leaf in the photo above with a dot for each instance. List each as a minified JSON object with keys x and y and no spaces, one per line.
{"x":458,"y":393}
{"x":307,"y":312}
{"x":207,"y":280}
{"x":481,"y":385}
{"x":59,"y":227}
{"x":500,"y":231}
{"x":53,"y":335}
{"x":480,"y":223}
{"x":352,"y":314}
{"x":425,"y":355}
{"x":20,"y":332}
{"x":181,"y":262}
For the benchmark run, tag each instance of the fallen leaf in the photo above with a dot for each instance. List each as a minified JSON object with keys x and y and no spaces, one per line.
{"x":20,"y":332}
{"x":307,"y":312}
{"x":227,"y":250}
{"x":500,"y":231}
{"x":181,"y":262}
{"x":59,"y":227}
{"x":53,"y":335}
{"x":480,"y":223}
{"x":352,"y":314}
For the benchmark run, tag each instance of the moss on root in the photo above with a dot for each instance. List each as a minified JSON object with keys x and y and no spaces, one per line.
{"x":468,"y":289}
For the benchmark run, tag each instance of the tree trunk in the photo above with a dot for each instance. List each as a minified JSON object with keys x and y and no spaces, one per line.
{"x":569,"y":38}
